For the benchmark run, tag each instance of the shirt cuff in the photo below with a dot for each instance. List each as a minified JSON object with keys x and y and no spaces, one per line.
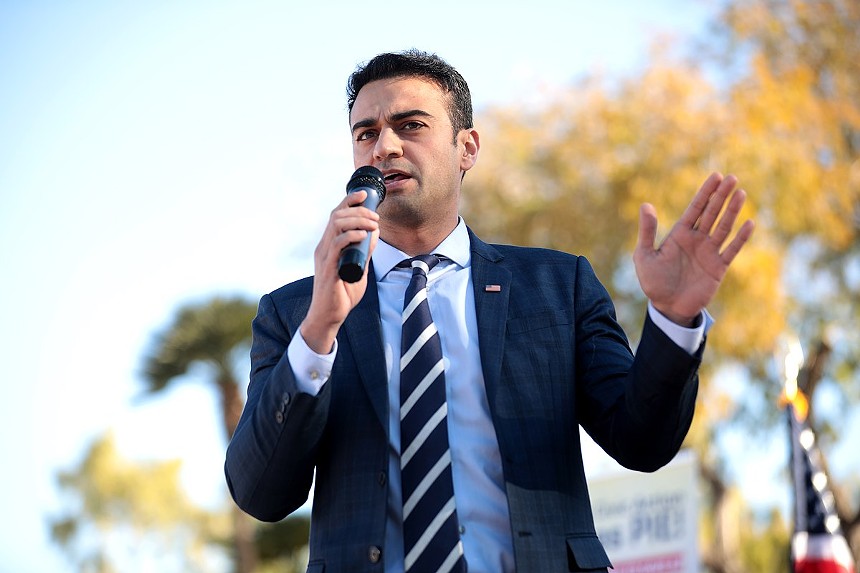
{"x":311,"y":370}
{"x":690,"y":339}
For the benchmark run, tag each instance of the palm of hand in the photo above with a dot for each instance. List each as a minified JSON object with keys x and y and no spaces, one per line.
{"x":682,"y":276}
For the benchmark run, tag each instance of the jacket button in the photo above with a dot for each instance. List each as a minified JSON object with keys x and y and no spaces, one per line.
{"x":279,"y":417}
{"x":374,"y":553}
{"x":381,"y":478}
{"x":285,"y":398}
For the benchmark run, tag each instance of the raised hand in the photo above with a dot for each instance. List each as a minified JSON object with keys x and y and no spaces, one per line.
{"x":681,"y":276}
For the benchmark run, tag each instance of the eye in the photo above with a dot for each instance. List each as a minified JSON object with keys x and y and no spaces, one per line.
{"x":412,"y":125}
{"x":365,"y":135}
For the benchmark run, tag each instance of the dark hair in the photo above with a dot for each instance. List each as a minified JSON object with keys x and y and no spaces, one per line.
{"x":417,"y":64}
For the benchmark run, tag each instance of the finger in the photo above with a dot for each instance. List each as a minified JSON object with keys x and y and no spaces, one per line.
{"x":329,"y":255}
{"x":354,"y":218}
{"x":744,"y":234}
{"x":344,"y":227}
{"x":700,"y":200}
{"x":716,"y":202}
{"x":647,"y":227}
{"x":727,"y":221}
{"x":351,"y":201}
{"x":334,"y":241}
{"x":348,"y":238}
{"x":355,"y":198}
{"x":339,"y":239}
{"x":349,"y":218}
{"x":345,"y":203}
{"x":352,"y":204}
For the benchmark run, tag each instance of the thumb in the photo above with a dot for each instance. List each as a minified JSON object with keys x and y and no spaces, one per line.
{"x":647,"y":227}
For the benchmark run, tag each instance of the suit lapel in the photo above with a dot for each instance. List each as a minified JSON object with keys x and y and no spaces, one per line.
{"x":363,"y":329}
{"x":492,"y":288}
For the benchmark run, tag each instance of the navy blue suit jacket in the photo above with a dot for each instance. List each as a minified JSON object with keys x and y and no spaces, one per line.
{"x":553,"y":358}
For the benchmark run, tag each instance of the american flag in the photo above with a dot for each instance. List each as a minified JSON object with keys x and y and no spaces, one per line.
{"x":818,"y":545}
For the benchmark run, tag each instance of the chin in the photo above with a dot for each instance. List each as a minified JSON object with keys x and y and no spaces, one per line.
{"x":400,"y":211}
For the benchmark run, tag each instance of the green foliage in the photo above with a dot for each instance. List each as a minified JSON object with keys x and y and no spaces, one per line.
{"x":216,"y":332}
{"x":573,"y":177}
{"x":765,"y":548}
{"x":113,"y":501}
{"x":208,"y":332}
{"x":780,"y":107}
{"x":115,"y":506}
{"x":283,"y":539}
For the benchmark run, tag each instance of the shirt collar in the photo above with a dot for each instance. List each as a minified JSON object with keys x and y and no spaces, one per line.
{"x":455,"y":247}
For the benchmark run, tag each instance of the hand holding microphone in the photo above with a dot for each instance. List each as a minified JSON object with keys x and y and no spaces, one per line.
{"x":334,"y":296}
{"x":353,"y":259}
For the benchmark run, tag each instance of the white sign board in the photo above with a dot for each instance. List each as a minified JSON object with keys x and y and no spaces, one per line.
{"x":648,"y":523}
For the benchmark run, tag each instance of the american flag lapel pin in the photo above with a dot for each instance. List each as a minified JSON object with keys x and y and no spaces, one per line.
{"x":493,"y":288}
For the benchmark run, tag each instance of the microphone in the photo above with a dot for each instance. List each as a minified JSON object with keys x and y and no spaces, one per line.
{"x":354,"y":257}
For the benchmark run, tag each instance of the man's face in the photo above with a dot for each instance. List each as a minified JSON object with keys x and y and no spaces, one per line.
{"x":401,"y":126}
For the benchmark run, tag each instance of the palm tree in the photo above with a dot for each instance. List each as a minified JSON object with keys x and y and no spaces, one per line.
{"x":214,"y":333}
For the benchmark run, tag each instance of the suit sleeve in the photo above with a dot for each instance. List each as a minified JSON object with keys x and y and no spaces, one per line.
{"x":638,"y":409}
{"x":271,"y":457}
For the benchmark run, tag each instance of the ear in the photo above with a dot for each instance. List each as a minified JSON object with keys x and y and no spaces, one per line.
{"x":469,"y":145}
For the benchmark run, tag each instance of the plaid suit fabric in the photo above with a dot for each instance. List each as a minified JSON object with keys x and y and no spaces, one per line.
{"x":553,"y":358}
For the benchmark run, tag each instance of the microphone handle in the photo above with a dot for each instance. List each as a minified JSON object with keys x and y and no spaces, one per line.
{"x":353,"y":258}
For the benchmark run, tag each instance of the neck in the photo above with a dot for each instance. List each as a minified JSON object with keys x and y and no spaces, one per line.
{"x":417,"y":240}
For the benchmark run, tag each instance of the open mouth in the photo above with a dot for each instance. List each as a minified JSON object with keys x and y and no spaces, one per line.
{"x":394,"y":177}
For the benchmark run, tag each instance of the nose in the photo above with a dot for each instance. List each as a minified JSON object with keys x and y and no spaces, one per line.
{"x":387,"y":145}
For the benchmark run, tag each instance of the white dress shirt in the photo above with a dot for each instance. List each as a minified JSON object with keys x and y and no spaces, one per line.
{"x":479,"y":489}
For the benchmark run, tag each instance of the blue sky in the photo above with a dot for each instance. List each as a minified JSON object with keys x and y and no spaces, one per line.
{"x":155,"y":153}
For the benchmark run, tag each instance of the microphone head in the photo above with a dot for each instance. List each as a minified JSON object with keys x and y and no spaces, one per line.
{"x":367,"y":177}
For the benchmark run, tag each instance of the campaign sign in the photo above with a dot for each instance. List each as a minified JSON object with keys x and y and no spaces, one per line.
{"x":648,"y":523}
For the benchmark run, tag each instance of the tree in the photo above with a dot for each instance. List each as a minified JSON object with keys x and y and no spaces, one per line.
{"x":116,"y":506}
{"x":217,"y":335}
{"x":214,"y":334}
{"x":803,"y":91}
{"x":572,"y":176}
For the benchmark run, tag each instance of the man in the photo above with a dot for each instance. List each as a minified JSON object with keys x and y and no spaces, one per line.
{"x":531,"y":351}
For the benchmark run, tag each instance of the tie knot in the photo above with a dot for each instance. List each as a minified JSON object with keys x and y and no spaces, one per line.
{"x":422,"y":262}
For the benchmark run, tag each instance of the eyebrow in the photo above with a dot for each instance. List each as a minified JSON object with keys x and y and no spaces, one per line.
{"x":396,"y":117}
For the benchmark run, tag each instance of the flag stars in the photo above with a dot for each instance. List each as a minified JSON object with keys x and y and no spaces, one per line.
{"x":817,"y":543}
{"x":807,"y":439}
{"x":828,"y":500}
{"x":819,"y":481}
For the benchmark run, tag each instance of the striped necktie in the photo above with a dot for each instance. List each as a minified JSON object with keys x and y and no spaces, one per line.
{"x":431,"y":538}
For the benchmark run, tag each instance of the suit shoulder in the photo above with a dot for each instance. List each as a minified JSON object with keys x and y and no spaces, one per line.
{"x":536,"y":255}
{"x":288,"y":303}
{"x":301,"y":287}
{"x":293,"y":297}
{"x":541,"y":262}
